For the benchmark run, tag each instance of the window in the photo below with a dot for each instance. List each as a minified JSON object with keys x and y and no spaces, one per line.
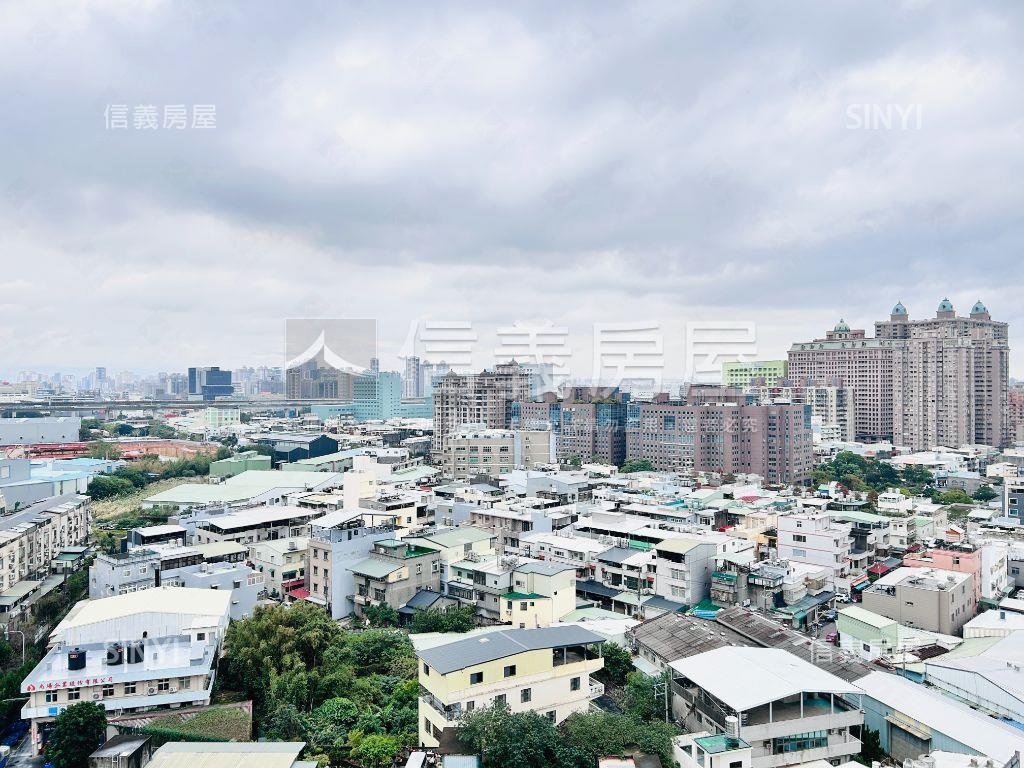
{"x":501,"y":699}
{"x":129,"y":688}
{"x":163,"y":685}
{"x":184,"y":683}
{"x":800,"y":538}
{"x":475,"y":678}
{"x":574,"y":684}
{"x":426,"y":668}
{"x":550,"y":715}
{"x":74,"y":694}
{"x":426,"y":724}
{"x":525,"y":695}
{"x":51,"y":697}
{"x":510,"y":670}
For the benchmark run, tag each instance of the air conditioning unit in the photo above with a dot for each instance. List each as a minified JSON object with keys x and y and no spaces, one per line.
{"x":151,"y":691}
{"x":172,"y":690}
{"x":97,"y":696}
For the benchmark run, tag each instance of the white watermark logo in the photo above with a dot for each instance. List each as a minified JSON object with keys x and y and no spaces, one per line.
{"x":884,"y":117}
{"x":147,"y":117}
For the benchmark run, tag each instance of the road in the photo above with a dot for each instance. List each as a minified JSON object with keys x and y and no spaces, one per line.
{"x":21,"y":755}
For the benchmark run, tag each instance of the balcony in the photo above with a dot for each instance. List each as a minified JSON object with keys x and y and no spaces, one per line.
{"x":596,"y":688}
{"x":783,"y":718}
{"x":838,"y":747}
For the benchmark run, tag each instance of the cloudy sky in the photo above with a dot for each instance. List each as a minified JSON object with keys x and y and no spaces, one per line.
{"x":784,"y":164}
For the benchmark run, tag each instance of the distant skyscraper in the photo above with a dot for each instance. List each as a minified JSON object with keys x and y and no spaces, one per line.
{"x":412,"y":384}
{"x":923,"y":383}
{"x":209,"y":383}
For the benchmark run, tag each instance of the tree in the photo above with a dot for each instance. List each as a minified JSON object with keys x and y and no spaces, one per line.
{"x":618,"y":663}
{"x":953,"y":496}
{"x":636,"y":465}
{"x":108,"y":486}
{"x":459,"y":619}
{"x":985,"y":493}
{"x":870,"y":747}
{"x":77,"y":731}
{"x":375,"y":750}
{"x":382,"y":615}
{"x":642,"y":699}
{"x":103,"y":450}
{"x":503,"y":739}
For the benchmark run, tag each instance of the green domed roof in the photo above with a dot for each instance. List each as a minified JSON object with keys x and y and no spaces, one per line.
{"x":899,"y":309}
{"x":979,"y":308}
{"x":842,"y":327}
{"x":945,"y":305}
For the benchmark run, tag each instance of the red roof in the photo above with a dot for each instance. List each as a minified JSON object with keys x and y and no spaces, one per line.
{"x":300,"y":582}
{"x":879,"y":568}
{"x":299,"y":594}
{"x":749,"y":499}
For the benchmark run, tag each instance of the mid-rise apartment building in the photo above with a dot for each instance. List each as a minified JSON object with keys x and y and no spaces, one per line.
{"x":816,"y":539}
{"x":832,"y":405}
{"x":282,"y":563}
{"x":32,"y":538}
{"x":470,"y":452}
{"x":546,"y":670}
{"x":483,"y":398}
{"x":139,"y":651}
{"x":774,"y":441}
{"x":338,"y":540}
{"x":924,"y":598}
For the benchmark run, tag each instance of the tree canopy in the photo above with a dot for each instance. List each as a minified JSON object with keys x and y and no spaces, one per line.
{"x":77,"y":731}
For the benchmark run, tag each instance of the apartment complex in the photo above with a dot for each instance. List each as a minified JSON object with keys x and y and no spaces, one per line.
{"x":483,"y":398}
{"x":546,"y":670}
{"x":32,"y":538}
{"x":919,"y":383}
{"x":773,"y":441}
{"x":393,"y":572}
{"x":139,"y":651}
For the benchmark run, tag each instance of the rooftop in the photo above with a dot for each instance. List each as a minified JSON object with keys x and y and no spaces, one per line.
{"x":250,"y":754}
{"x":744,"y":678}
{"x":468,"y":652}
{"x":179,"y":600}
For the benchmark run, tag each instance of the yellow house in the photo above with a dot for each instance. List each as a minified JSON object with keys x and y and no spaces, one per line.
{"x":546,"y":670}
{"x":540,"y":595}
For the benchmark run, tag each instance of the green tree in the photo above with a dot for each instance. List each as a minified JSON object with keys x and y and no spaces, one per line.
{"x":585,"y":736}
{"x":914,"y":474}
{"x":642,"y":699}
{"x":953,"y":496}
{"x":618,"y":663}
{"x":376,"y":750}
{"x":458,"y":619}
{"x":985,"y":493}
{"x":382,"y":615}
{"x":870,"y":747}
{"x":636,"y":465}
{"x":77,"y":731}
{"x":108,"y":486}
{"x":103,"y":450}
{"x":503,"y":739}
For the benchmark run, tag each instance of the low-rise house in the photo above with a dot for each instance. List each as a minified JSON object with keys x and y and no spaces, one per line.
{"x":139,"y":651}
{"x":546,"y":670}
{"x":393,"y":573}
{"x":251,"y":526}
{"x":282,"y":563}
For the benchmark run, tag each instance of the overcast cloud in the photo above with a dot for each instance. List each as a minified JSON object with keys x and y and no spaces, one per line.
{"x":572,"y":162}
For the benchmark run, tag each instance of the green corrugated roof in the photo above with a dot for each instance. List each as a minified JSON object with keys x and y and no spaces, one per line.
{"x":375,"y":568}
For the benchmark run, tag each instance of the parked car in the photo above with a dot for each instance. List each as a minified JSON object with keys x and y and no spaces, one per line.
{"x":831,"y":615}
{"x":832,"y":638}
{"x":842,"y":597}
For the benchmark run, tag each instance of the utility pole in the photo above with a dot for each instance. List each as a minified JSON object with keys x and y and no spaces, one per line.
{"x":7,"y":636}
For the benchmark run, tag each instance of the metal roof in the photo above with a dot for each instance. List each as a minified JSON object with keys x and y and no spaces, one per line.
{"x":375,"y":568}
{"x":480,"y":649}
{"x":745,"y":678}
{"x":262,"y":754}
{"x":673,"y":636}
